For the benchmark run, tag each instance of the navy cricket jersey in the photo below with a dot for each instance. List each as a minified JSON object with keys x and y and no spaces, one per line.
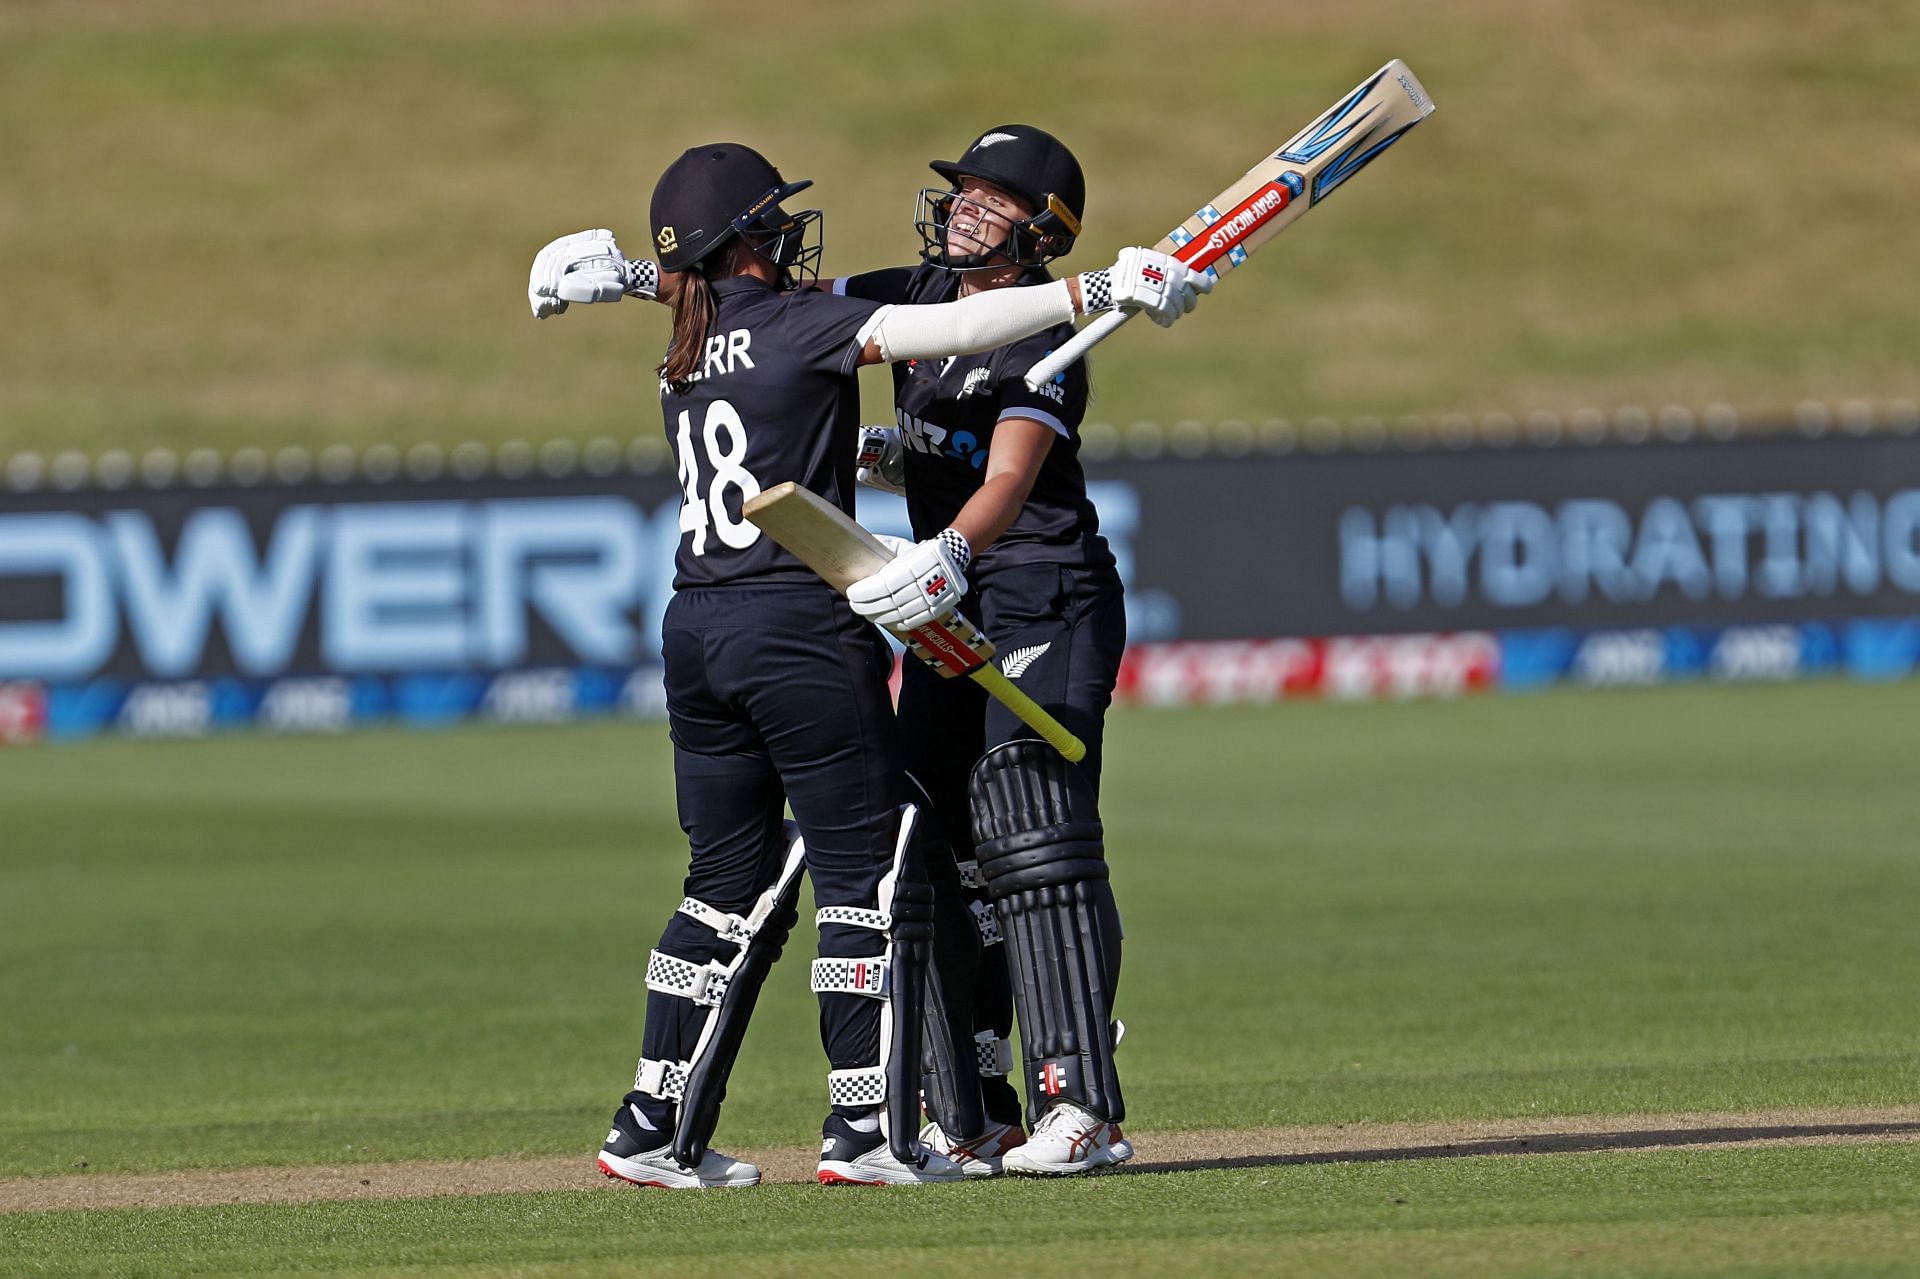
{"x":775,"y":398}
{"x":947,"y":410}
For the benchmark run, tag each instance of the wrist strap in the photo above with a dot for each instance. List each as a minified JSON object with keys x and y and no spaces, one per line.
{"x":1096,"y":291}
{"x":643,"y":278}
{"x":957,"y":546}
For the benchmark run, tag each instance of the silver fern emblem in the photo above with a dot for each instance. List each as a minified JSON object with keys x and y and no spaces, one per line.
{"x":1015,"y":664}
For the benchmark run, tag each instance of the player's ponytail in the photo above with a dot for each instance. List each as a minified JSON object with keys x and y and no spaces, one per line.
{"x":692,"y":325}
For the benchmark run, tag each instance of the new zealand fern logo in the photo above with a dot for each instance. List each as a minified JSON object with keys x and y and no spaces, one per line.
{"x":1015,"y":663}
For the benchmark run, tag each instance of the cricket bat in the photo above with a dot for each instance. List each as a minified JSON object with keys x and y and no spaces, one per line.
{"x":827,"y":540}
{"x":1274,"y":193}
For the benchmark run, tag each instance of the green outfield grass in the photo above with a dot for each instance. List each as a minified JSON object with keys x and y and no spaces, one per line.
{"x":1800,"y":1213}
{"x":387,"y":945}
{"x":301,"y":222}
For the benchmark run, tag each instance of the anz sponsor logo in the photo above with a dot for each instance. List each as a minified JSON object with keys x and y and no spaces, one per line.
{"x":1756,"y":653}
{"x":168,"y":710}
{"x":1621,"y":657}
{"x":320,"y":705}
{"x":530,"y":697}
{"x":393,"y":586}
{"x":926,"y":437}
{"x":1724,"y":546}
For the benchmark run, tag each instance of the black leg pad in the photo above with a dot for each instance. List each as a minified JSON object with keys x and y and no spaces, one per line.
{"x":1038,"y":838}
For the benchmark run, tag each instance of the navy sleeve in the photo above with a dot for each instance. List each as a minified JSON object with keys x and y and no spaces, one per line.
{"x":824,"y":332}
{"x":889,"y":285}
{"x":1061,"y":403}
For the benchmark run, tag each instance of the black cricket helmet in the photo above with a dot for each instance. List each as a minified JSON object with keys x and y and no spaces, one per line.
{"x":713,"y":193}
{"x":1032,"y":164}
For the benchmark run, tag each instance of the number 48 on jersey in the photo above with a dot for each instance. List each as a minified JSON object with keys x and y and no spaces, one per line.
{"x":726,"y":462}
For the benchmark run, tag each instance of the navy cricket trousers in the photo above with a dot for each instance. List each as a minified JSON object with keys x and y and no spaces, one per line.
{"x":777,"y":695}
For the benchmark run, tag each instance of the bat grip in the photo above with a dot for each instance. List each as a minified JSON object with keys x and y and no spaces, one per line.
{"x":1074,"y":347}
{"x":1030,"y":712}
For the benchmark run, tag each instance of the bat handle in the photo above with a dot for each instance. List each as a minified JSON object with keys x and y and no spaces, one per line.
{"x":1030,"y":712}
{"x":1073,"y":348}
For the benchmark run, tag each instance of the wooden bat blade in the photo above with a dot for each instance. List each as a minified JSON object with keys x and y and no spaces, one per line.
{"x":821,"y":535}
{"x":1276,"y":192}
{"x":1309,"y":166}
{"x":831,"y":543}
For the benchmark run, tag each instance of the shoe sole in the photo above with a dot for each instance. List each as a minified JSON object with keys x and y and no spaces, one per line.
{"x":655,"y":1181}
{"x":839,"y":1172}
{"x":1112,"y":1157}
{"x":976,"y":1166}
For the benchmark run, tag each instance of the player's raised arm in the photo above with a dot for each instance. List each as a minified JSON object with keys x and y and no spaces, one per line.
{"x":1140,"y":280}
{"x":587,"y":266}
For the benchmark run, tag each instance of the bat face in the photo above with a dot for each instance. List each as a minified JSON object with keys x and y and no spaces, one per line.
{"x":1347,"y":137}
{"x":1343,"y":140}
{"x":826,"y":540}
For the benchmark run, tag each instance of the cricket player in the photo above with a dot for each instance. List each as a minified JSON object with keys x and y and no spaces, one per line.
{"x":776,"y":689}
{"x":974,"y":450}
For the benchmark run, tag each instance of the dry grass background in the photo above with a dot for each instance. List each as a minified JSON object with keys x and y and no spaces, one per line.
{"x":304,"y":223}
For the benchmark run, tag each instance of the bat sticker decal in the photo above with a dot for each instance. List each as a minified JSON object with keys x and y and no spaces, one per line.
{"x":1345,"y":166}
{"x":1327,"y":133}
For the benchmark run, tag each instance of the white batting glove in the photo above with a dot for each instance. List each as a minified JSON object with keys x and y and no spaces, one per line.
{"x":586,"y":266}
{"x":1144,"y":280}
{"x":882,"y":460}
{"x":924,"y":581}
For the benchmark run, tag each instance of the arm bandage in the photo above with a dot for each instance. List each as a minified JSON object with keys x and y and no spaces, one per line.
{"x":973,"y":324}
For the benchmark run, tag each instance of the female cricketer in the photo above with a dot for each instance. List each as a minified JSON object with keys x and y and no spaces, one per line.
{"x":776,"y":690}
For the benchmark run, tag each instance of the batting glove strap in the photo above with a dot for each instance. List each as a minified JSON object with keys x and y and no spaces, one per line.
{"x":666,"y":1080}
{"x":1096,"y":291}
{"x":643,"y":278}
{"x":859,"y":1088}
{"x":852,"y":977}
{"x":957,"y":546}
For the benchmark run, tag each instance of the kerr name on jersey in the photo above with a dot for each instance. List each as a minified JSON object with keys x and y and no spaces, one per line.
{"x":725,"y":352}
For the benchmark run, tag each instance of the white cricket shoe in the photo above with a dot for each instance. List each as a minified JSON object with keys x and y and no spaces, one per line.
{"x":849,"y":1157}
{"x":1069,"y":1139}
{"x":660,"y":1168}
{"x":979,"y":1156}
{"x":624,"y":1159}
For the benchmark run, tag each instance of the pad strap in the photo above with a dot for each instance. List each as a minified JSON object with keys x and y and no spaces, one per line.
{"x":704,"y":984}
{"x":731,"y":928}
{"x":666,"y":1080}
{"x":852,"y":976}
{"x":853,"y":917}
{"x":987,"y":922}
{"x":970,"y":876}
{"x":994,"y":1054}
{"x":861,"y":1088}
